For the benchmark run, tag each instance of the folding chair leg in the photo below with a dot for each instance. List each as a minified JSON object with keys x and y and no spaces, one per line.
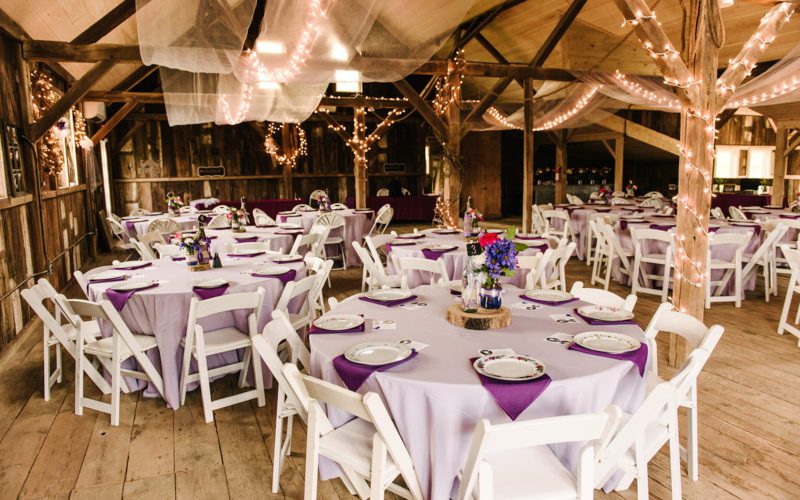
{"x":46,"y":368}
{"x":115,"y":392}
{"x":79,"y":360}
{"x":692,"y":450}
{"x":59,"y":364}
{"x":277,"y":459}
{"x":258,"y":376}
{"x":205,"y":387}
{"x":674,"y":456}
{"x":248,"y":357}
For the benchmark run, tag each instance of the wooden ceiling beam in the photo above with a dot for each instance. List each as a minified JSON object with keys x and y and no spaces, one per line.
{"x":106,"y":24}
{"x":112,"y":122}
{"x":541,"y":55}
{"x":477,"y":24}
{"x":11,"y":27}
{"x":794,"y":141}
{"x":423,"y":108}
{"x":75,"y":93}
{"x":135,"y":77}
{"x":46,"y":50}
{"x":641,"y":133}
{"x":492,"y":50}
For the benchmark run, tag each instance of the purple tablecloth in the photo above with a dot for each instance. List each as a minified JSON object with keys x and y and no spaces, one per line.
{"x":406,"y":208}
{"x":727,"y":200}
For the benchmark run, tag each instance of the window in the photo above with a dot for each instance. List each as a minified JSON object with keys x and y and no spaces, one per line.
{"x":759,"y":163}
{"x":727,"y":162}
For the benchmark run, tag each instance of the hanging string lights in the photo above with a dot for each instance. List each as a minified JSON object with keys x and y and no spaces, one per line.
{"x":635,"y":88}
{"x":497,"y":115}
{"x":285,"y":155}
{"x":576,"y":108}
{"x":448,"y":89}
{"x":43,"y":97}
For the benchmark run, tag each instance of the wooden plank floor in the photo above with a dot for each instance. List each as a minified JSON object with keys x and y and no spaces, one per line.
{"x":749,"y":426}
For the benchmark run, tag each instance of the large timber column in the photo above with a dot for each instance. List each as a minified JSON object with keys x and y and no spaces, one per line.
{"x":561,"y":165}
{"x":527,"y":168}
{"x":452,"y":163}
{"x":779,"y":169}
{"x":619,"y":157}
{"x":360,"y":156}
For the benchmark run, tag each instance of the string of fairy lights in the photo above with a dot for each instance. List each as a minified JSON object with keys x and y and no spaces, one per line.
{"x":360,"y":142}
{"x":448,"y":89}
{"x":572,"y":111}
{"x":285,"y":155}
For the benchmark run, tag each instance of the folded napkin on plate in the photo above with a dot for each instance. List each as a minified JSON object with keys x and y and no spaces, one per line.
{"x":315,"y":329}
{"x":279,"y":262}
{"x":548,"y":302}
{"x":593,"y":321}
{"x":139,"y":266}
{"x":514,"y":397}
{"x":178,"y":258}
{"x":210,"y":293}
{"x":285,"y":277}
{"x":118,"y":299}
{"x":107,"y":280}
{"x":245,"y":239}
{"x":435,"y":254}
{"x":388,"y":303}
{"x":789,"y":216}
{"x":245,"y":254}
{"x":289,"y":232}
{"x":355,"y":374}
{"x":637,"y":357}
{"x":662,"y":227}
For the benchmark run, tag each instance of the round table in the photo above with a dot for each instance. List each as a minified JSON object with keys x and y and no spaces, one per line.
{"x":223,"y":240}
{"x":579,"y":220}
{"x":357,"y":224}
{"x":437,"y":399}
{"x":137,"y":226}
{"x":163,"y":311}
{"x":455,"y":261}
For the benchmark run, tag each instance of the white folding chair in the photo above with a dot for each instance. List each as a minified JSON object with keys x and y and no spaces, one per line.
{"x":199,"y":344}
{"x":164,"y":226}
{"x":717,"y":213}
{"x":653,"y":194}
{"x":792,"y":256}
{"x":321,"y":271}
{"x":382,"y":220}
{"x":368,"y":446}
{"x":221,"y":209}
{"x":731,"y":268}
{"x":119,"y":232}
{"x":115,"y":218}
{"x":697,"y":336}
{"x":166,"y":251}
{"x":259,"y":246}
{"x":641,"y":278}
{"x":136,"y":212}
{"x":592,"y":238}
{"x":514,"y":460}
{"x":315,"y":194}
{"x":113,"y":350}
{"x":309,"y":242}
{"x":144,"y":251}
{"x":301,"y":288}
{"x":668,"y":210}
{"x":600,"y":297}
{"x":765,"y":257}
{"x":382,"y":192}
{"x":219,"y":221}
{"x":373,"y":274}
{"x":538,"y":224}
{"x":436,"y":269}
{"x":737,"y":214}
{"x":536,"y":266}
{"x":555,"y":275}
{"x":57,"y":334}
{"x":331,"y":222}
{"x":187,"y":209}
{"x":279,"y":339}
{"x":651,"y":203}
{"x":302,"y":207}
{"x":339,"y":206}
{"x":551,"y":226}
{"x":82,"y":282}
{"x":260,"y":218}
{"x":616,"y":200}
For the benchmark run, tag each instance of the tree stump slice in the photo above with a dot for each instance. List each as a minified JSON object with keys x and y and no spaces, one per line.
{"x":484,"y":319}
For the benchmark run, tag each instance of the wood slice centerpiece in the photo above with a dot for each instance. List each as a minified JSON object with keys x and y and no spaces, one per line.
{"x":483,"y":319}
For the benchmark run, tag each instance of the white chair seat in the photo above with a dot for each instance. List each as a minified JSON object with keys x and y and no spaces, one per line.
{"x":104,"y":348}
{"x":334,"y":240}
{"x":224,"y":340}
{"x":351,"y":445}
{"x":544,"y":475}
{"x":721,"y":264}
{"x":92,"y":329}
{"x":298,"y":320}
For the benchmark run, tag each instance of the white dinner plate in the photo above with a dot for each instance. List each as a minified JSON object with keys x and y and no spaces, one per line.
{"x":107,"y":275}
{"x":286,"y":258}
{"x":131,"y":217}
{"x":248,"y":252}
{"x":613,"y":343}
{"x":457,"y":287}
{"x":605,"y":313}
{"x":377,"y":353}
{"x":445,"y":231}
{"x":211,"y":283}
{"x":129,"y":264}
{"x":270,"y":271}
{"x":748,"y":223}
{"x":440,"y":248}
{"x":509,"y":367}
{"x":496,"y":231}
{"x":287,"y":225}
{"x":409,"y":236}
{"x":131,"y":285}
{"x":389,"y":294}
{"x":548,"y":295}
{"x":335,"y":322}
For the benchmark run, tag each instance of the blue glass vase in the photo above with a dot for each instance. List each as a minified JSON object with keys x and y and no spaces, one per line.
{"x":492,"y":298}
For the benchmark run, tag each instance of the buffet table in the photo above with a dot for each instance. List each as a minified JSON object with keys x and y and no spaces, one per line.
{"x":406,"y":208}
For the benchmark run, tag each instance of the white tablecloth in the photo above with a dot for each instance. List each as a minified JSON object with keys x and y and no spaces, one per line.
{"x":139,"y":227}
{"x":163,"y":311}
{"x":356,"y":225}
{"x":437,"y":399}
{"x":226,"y":239}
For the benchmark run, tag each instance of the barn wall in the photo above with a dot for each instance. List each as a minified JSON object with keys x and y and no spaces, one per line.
{"x":481,"y":158}
{"x":63,"y":220}
{"x":156,"y":158}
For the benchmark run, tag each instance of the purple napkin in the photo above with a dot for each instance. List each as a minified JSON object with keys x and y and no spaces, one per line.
{"x":176,"y":259}
{"x":389,"y":303}
{"x":713,"y":229}
{"x":637,"y":357}
{"x":279,"y":262}
{"x":129,"y":224}
{"x":140,"y":266}
{"x":355,"y":374}
{"x":289,"y":232}
{"x":210,"y":293}
{"x":245,"y":255}
{"x":107,"y":280}
{"x":285,"y":277}
{"x":789,"y":216}
{"x":434,"y":254}
{"x":245,"y":239}
{"x":514,"y":397}
{"x":315,"y":329}
{"x":525,"y":237}
{"x":548,"y":302}
{"x":662,"y":227}
{"x":119,"y":299}
{"x":593,"y":321}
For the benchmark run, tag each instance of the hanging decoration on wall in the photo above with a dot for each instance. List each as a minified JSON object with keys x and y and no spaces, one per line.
{"x":43,"y":96}
{"x":447,"y":88}
{"x":293,"y":143}
{"x":79,"y":123}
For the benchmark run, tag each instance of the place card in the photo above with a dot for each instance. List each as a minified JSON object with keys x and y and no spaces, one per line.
{"x":417,"y":346}
{"x":384,"y":324}
{"x":564,"y":318}
{"x":525,"y":306}
{"x":489,"y":352}
{"x":413,"y":305}
{"x":560,"y":338}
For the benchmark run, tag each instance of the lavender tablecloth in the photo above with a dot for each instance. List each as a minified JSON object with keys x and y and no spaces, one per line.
{"x":270,"y":207}
{"x":226,"y":239}
{"x":356,"y":226}
{"x":138,"y":227}
{"x":163,"y":311}
{"x":437,"y":400}
{"x":579,"y":222}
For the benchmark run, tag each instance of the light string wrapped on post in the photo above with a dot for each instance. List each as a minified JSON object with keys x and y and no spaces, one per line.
{"x":447,"y":93}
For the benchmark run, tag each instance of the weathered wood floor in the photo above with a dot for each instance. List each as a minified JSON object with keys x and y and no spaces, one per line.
{"x":749,"y":426}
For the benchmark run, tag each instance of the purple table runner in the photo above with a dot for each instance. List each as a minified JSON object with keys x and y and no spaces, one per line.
{"x":514,"y":397}
{"x":637,"y":357}
{"x":355,"y":374}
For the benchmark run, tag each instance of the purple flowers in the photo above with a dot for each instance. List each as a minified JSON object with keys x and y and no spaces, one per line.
{"x":501,"y":259}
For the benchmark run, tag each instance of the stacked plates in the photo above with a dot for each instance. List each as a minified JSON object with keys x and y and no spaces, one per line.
{"x":132,"y":286}
{"x":440,"y":248}
{"x":509,"y":367}
{"x":286,"y":258}
{"x":378,"y":353}
{"x":613,"y":343}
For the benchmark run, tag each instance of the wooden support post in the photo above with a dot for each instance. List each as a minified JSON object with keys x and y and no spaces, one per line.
{"x":359,"y":157}
{"x":779,"y":176}
{"x":527,"y":163}
{"x":452,"y":163}
{"x":561,"y":166}
{"x":287,"y":143}
{"x":619,"y":157}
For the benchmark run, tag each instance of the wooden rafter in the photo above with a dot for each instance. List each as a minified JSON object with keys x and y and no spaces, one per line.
{"x":135,"y":77}
{"x":641,"y":133}
{"x":794,"y":141}
{"x":541,"y":55}
{"x":112,"y":122}
{"x":107,"y":23}
{"x":75,"y":93}
{"x":335,"y":126}
{"x":46,"y":50}
{"x":473,"y":27}
{"x":422,"y":107}
{"x":492,"y":50}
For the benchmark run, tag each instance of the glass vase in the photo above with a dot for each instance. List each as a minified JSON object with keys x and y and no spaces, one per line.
{"x":191,"y":259}
{"x":492,"y":297}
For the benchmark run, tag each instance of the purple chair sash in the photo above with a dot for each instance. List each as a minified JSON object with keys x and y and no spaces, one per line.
{"x":355,"y":374}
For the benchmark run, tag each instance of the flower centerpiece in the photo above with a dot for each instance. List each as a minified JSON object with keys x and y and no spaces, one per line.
{"x":499,"y":259}
{"x":191,"y":246}
{"x":174,"y":203}
{"x":323,"y":202}
{"x":237,"y":217}
{"x":631,"y":188}
{"x":471,"y":218}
